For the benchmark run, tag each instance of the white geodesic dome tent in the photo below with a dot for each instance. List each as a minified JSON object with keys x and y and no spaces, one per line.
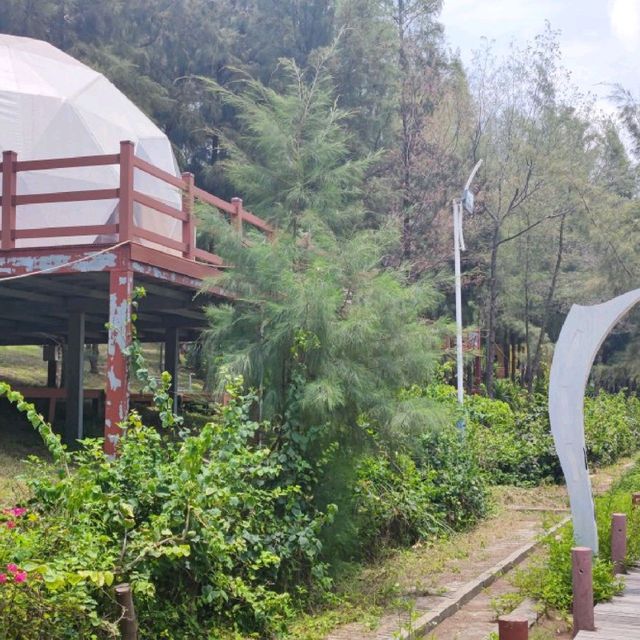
{"x":51,"y":106}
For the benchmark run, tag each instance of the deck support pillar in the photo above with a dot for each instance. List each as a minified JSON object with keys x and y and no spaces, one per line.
{"x":172,"y":361}
{"x":73,"y":429}
{"x":117,"y":395}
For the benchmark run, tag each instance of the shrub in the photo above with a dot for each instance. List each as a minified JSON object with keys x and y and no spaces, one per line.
{"x":460,"y":493}
{"x":394,"y":503}
{"x":511,"y":438}
{"x":612,"y":427}
{"x":201,"y":524}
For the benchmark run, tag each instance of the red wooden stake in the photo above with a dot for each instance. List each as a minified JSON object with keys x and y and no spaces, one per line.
{"x":9,"y":187}
{"x":511,"y":628}
{"x":583,"y":616}
{"x":117,"y":396}
{"x":618,"y":541}
{"x":635,"y":499}
{"x":125,"y":212}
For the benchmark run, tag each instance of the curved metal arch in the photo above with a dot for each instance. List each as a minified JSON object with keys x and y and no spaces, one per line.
{"x":582,"y":334}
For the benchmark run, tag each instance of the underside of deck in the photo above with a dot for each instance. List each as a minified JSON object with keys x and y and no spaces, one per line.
{"x":36,"y":307}
{"x":80,"y":295}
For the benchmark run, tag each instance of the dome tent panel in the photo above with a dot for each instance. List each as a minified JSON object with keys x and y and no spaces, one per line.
{"x":52,"y":106}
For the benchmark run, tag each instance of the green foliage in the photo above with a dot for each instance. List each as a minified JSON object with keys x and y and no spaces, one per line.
{"x":395,"y":503}
{"x":206,"y":526}
{"x":459,"y":493}
{"x":511,"y":437}
{"x":612,"y":426}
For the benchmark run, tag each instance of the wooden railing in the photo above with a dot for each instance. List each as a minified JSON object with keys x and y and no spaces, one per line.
{"x":125,"y":227}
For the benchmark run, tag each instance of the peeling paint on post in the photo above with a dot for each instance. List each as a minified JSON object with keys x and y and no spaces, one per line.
{"x":117,"y":400}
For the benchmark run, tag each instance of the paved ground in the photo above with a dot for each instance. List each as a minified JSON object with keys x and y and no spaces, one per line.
{"x":497,"y":539}
{"x":505,"y":541}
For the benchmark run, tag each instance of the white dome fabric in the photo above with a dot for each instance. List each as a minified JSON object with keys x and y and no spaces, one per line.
{"x":51,"y":106}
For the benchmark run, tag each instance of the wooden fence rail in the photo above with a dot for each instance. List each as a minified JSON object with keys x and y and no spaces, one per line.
{"x":124,"y":228}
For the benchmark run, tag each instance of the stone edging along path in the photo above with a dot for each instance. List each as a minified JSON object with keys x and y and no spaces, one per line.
{"x":427,"y":622}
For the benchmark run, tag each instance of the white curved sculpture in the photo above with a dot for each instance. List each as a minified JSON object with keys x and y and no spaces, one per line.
{"x":53,"y":106}
{"x":581,"y":336}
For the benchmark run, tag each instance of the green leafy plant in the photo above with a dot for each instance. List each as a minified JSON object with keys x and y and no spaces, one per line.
{"x":203,"y":524}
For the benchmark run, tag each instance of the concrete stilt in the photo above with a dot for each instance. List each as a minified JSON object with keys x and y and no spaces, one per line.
{"x":117,"y":396}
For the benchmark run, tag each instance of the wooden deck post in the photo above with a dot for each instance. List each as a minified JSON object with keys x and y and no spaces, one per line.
{"x":512,"y":628}
{"x":73,"y":429}
{"x":618,"y":541}
{"x":125,"y":209}
{"x":583,"y":615}
{"x":128,"y":620}
{"x":188,"y":226}
{"x":237,"y":220}
{"x":172,"y":361}
{"x":9,"y":188}
{"x":117,"y":387}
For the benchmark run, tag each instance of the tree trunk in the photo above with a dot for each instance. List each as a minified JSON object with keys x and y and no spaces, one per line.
{"x":405,"y":182}
{"x":492,"y":310}
{"x":547,"y":308}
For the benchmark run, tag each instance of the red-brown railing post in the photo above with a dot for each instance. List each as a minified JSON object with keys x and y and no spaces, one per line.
{"x":237,"y":204}
{"x":125,"y":211}
{"x":188,"y":226}
{"x":9,"y":188}
{"x":618,"y":541}
{"x":512,"y":628}
{"x":583,"y":615}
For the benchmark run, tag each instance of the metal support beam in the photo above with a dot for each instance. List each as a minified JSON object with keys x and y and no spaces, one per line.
{"x":172,"y":361}
{"x":75,"y":378}
{"x":117,"y":396}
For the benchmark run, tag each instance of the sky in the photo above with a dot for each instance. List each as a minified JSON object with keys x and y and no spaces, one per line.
{"x":600,"y":39}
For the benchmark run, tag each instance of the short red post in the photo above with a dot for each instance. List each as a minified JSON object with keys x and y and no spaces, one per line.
{"x":188,"y":225}
{"x":237,"y":204}
{"x":9,"y":188}
{"x":117,"y":388}
{"x":125,"y":211}
{"x":512,"y":628}
{"x":618,"y":541}
{"x":583,"y":615}
{"x":635,"y":499}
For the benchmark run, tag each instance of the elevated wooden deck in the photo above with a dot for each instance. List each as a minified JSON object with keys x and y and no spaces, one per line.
{"x":620,"y":618}
{"x":54,"y":290}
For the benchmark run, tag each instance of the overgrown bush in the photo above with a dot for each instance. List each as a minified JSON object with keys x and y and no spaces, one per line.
{"x":612,"y":426}
{"x":460,"y":492}
{"x":394,"y":503}
{"x":511,"y":438}
{"x":201,"y":524}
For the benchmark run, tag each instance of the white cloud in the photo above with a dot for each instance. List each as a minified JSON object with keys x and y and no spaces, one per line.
{"x":624,"y":16}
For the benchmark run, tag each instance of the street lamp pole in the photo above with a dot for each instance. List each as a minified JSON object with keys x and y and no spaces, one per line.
{"x":459,"y":206}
